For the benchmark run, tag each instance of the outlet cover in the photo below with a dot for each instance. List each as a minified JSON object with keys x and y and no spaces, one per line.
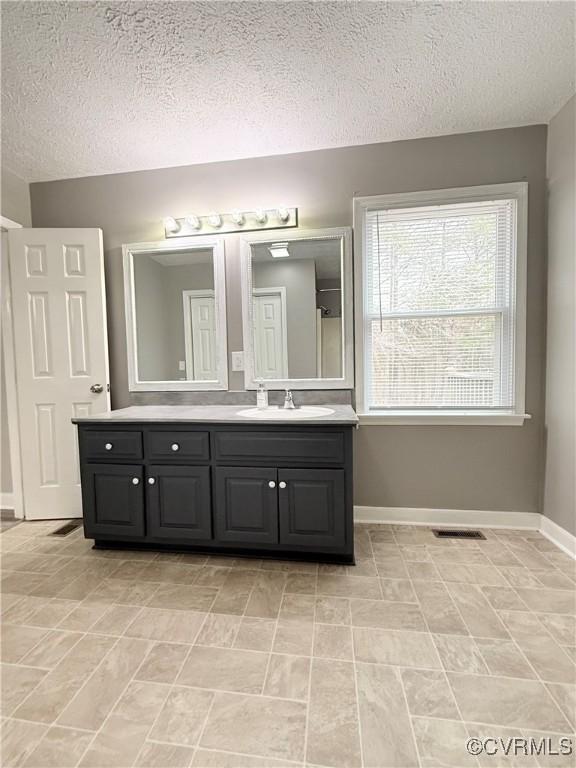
{"x":181,"y":365}
{"x":237,"y":361}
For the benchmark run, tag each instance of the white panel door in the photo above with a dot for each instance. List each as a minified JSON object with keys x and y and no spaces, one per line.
{"x":203,"y":338}
{"x":61,"y":350}
{"x":271,"y":347}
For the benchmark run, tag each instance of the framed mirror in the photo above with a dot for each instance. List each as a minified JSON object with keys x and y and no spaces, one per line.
{"x":297,"y":309}
{"x":175,"y":296}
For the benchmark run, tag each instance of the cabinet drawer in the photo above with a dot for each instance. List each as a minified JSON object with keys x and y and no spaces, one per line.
{"x":280,"y":446}
{"x":111,"y":445}
{"x":177,"y":446}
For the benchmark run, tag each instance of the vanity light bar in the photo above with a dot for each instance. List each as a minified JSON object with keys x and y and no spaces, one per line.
{"x":281,"y":217}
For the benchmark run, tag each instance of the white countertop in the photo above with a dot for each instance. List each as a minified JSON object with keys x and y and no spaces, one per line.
{"x":200,"y":414}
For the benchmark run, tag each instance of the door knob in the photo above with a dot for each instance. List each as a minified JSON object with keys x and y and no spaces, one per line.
{"x":135,"y":481}
{"x":272,"y":484}
{"x":96,"y":388}
{"x":108,"y":446}
{"x":175,"y":447}
{"x":282,"y":484}
{"x":151,"y":481}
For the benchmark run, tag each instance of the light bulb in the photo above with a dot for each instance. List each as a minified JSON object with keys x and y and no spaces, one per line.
{"x":193,"y":221}
{"x":260,"y":215}
{"x":215,"y":220}
{"x":283,"y":213}
{"x":171,"y":225}
{"x":238,"y":218}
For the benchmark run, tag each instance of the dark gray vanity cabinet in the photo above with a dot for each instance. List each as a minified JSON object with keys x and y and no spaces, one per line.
{"x":266,"y":489}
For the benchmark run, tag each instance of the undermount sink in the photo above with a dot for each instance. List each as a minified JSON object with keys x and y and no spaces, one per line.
{"x":286,"y":414}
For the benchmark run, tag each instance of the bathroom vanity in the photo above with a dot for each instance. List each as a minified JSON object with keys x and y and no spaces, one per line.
{"x":220,"y":479}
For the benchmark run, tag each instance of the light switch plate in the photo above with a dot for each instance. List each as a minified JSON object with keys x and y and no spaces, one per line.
{"x":237,"y":361}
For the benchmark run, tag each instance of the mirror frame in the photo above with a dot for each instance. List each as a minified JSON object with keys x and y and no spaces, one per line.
{"x":344,"y":234}
{"x":216,"y":244}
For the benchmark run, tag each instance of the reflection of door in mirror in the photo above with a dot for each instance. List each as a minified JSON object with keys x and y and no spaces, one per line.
{"x":270,"y":333}
{"x":199,"y":335}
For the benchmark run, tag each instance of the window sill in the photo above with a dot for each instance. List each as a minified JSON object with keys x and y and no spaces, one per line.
{"x":461,"y":418}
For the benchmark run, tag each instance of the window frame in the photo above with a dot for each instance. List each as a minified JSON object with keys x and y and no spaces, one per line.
{"x":489,"y":416}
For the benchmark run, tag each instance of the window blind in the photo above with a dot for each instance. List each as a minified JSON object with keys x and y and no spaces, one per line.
{"x":439,"y":312}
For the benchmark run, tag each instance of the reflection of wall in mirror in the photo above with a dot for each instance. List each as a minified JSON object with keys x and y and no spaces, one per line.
{"x":299,"y":278}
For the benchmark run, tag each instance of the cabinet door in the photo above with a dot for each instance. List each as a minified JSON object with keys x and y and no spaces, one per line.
{"x":312,"y":507}
{"x":246,"y":505}
{"x":113,"y":500}
{"x":178,"y":502}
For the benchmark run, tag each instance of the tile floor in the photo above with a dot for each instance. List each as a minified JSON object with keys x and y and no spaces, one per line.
{"x":136,"y":659}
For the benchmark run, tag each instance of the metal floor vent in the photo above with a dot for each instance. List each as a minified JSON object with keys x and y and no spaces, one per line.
{"x":64,"y":530}
{"x":442,"y":533}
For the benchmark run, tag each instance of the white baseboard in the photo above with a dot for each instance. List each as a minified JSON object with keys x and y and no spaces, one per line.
{"x":7,"y":501}
{"x":470,"y":518}
{"x":559,"y":536}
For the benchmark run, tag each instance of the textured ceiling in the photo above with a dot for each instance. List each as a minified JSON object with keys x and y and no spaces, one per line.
{"x":97,"y":87}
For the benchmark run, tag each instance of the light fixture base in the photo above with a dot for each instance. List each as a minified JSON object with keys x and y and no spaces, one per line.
{"x":246,"y":221}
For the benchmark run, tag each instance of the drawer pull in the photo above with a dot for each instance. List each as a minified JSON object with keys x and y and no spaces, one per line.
{"x":135,"y":481}
{"x":151,"y":481}
{"x":272,"y":484}
{"x":282,"y":484}
{"x":175,"y":447}
{"x":108,"y":446}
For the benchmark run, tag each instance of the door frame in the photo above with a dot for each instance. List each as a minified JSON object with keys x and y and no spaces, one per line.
{"x":15,"y":500}
{"x":202,"y":293}
{"x":275,"y":291}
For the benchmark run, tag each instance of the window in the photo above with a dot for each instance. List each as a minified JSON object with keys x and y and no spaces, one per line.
{"x":441,"y":276}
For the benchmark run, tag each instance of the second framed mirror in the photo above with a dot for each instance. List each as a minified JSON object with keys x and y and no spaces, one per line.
{"x":297,"y":309}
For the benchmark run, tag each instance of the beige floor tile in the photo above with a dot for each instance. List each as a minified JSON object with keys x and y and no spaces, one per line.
{"x":51,"y":613}
{"x":460,"y":654}
{"x":428,"y":693}
{"x":122,"y":592}
{"x":438,"y":608}
{"x":333,"y":610}
{"x":387,"y":740}
{"x":116,"y":620}
{"x":57,"y":689}
{"x":19,"y":609}
{"x":119,"y":742}
{"x":565,"y":697}
{"x":156,"y":755}
{"x":129,"y":570}
{"x":333,"y":728}
{"x":406,"y":649}
{"x":287,"y":677}
{"x":212,"y":576}
{"x":59,"y":748}
{"x":504,"y":659}
{"x":183,"y":597}
{"x":384,"y":615}
{"x":163,"y":663}
{"x":297,"y":607}
{"x":170,"y":573}
{"x":266,"y":596}
{"x":548,"y":659}
{"x":219,"y":630}
{"x":549,"y":600}
{"x":18,"y":740}
{"x":82,"y":618}
{"x":17,"y":641}
{"x":332,"y":642}
{"x":422,"y":571}
{"x":293,"y":637}
{"x":397,"y":590}
{"x":172,"y":626}
{"x":183,"y":716}
{"x":555,"y":580}
{"x":91,"y":705}
{"x":520,"y":577}
{"x":301,"y":583}
{"x":500,"y":758}
{"x":562,"y":628}
{"x":51,"y":649}
{"x":265,"y":727}
{"x":347,"y":586}
{"x":521,"y":624}
{"x":232,"y":600}
{"x":255,"y":634}
{"x":476,"y":612}
{"x":485,"y":575}
{"x":442,"y":743}
{"x":503,"y":598}
{"x":506,"y":702}
{"x":16,"y":683}
{"x":208,"y":758}
{"x":391,"y":568}
{"x":224,"y":669}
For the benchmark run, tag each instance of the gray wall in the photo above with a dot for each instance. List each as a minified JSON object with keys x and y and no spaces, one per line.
{"x":559,"y":486}
{"x":491,"y":468}
{"x":15,"y":198}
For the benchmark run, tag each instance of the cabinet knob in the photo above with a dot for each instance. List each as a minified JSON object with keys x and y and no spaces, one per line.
{"x":151,"y":481}
{"x":272,"y":484}
{"x":108,"y":446}
{"x":135,"y":481}
{"x":282,"y":484}
{"x":175,"y":447}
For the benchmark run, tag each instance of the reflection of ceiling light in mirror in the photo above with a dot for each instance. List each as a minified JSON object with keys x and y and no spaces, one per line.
{"x":238,"y":218}
{"x":215,"y":220}
{"x":260,"y":215}
{"x":283,"y":213}
{"x":279,"y":250}
{"x":193,"y":221}
{"x":171,"y":225}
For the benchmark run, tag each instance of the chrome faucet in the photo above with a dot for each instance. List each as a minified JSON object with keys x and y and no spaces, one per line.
{"x":288,"y":400}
